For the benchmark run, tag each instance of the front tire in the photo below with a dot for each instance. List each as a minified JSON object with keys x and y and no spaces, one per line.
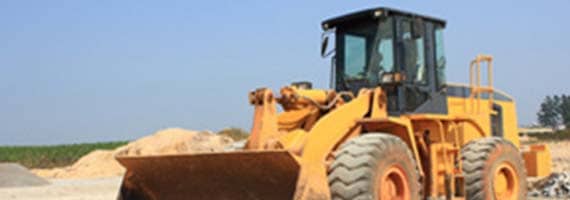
{"x":374,"y":167}
{"x":130,"y":190}
{"x":494,"y":169}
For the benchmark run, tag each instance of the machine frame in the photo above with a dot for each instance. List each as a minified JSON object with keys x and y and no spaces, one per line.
{"x":289,"y":154}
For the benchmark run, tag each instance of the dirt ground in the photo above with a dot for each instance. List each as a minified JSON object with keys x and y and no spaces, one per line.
{"x":560,"y":156}
{"x":107,"y":188}
{"x":97,"y":176}
{"x":79,"y":189}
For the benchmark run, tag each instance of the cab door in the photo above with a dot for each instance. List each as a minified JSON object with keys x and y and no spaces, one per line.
{"x":416,"y":57}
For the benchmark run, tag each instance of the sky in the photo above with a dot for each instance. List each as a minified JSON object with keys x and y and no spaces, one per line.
{"x":85,"y":71}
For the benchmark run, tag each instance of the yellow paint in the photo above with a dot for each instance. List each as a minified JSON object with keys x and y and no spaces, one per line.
{"x":505,"y":182}
{"x":441,"y":166}
{"x":315,"y":122}
{"x":538,"y":161}
{"x":327,"y":133}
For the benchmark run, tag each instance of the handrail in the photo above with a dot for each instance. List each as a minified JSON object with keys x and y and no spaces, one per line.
{"x":475,"y":81}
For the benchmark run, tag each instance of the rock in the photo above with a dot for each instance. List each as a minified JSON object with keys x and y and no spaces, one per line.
{"x":557,"y":185}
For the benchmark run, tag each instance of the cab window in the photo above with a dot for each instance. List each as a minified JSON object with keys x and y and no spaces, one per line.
{"x":413,"y":53}
{"x":368,"y":53}
{"x":440,"y":57}
{"x":354,"y":55}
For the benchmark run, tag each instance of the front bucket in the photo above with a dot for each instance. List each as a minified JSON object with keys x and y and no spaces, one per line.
{"x":246,"y":175}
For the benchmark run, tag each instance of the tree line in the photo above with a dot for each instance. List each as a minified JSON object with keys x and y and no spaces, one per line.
{"x":555,"y":112}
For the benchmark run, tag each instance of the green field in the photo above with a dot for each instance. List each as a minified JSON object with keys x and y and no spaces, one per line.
{"x":65,"y":155}
{"x":51,"y":156}
{"x":557,"y":136}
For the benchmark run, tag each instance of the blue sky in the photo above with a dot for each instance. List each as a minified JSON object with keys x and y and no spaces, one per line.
{"x":83,"y":71}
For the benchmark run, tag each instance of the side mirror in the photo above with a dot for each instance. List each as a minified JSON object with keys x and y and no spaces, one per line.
{"x":325,"y":52}
{"x":324,"y":45}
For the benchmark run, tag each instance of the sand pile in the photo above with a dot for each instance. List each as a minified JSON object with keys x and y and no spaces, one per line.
{"x":99,"y":164}
{"x":560,"y":156}
{"x":175,"y":141}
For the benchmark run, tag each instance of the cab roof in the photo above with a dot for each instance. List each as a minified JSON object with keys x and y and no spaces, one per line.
{"x":372,"y":14}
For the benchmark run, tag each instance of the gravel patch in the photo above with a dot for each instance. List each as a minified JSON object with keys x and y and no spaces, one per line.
{"x":79,"y":189}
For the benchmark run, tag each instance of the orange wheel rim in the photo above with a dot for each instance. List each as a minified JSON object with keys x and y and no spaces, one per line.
{"x":393,"y":185}
{"x":505,"y":182}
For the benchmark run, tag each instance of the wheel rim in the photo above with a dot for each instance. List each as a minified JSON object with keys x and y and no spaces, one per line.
{"x":505,"y":183}
{"x":393,"y":185}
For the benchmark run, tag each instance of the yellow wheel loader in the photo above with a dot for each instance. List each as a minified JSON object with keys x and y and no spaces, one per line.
{"x":390,"y":127}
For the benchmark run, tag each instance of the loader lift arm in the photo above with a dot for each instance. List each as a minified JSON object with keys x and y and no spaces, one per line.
{"x":316,"y":146}
{"x":274,"y":164}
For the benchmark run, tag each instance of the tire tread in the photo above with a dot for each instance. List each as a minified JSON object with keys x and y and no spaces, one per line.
{"x":475,"y":156}
{"x":350,"y":174}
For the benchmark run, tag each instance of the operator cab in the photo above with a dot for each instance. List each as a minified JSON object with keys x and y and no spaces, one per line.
{"x":401,"y":52}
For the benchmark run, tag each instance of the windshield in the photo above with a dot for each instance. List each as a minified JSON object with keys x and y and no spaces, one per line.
{"x":368,"y":53}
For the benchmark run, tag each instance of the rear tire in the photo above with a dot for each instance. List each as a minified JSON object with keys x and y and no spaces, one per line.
{"x":494,"y":169}
{"x":374,"y":167}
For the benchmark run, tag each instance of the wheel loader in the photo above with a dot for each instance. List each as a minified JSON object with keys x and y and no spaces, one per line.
{"x":390,"y":127}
